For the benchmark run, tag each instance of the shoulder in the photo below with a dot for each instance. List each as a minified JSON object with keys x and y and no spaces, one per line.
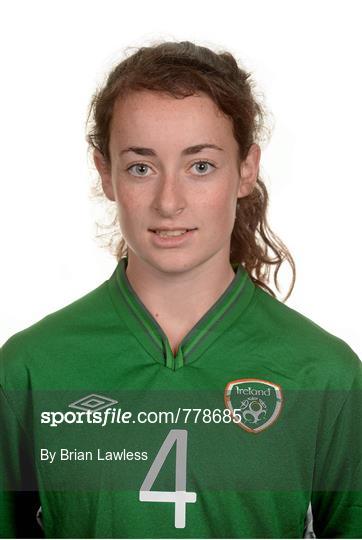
{"x":48,"y":336}
{"x":304,"y":344}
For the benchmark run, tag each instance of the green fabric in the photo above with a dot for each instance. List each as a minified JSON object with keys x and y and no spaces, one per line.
{"x":247,"y":485}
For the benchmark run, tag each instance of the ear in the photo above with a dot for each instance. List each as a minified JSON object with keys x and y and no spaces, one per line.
{"x":104,"y":170}
{"x":249,"y":170}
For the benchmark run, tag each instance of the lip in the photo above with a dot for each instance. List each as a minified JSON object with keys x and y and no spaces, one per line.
{"x":180,"y":228}
{"x":171,"y":241}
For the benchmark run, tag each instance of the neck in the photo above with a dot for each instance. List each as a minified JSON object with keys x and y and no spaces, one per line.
{"x":178,"y":300}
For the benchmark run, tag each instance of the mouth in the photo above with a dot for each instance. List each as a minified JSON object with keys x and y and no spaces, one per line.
{"x":166,"y":233}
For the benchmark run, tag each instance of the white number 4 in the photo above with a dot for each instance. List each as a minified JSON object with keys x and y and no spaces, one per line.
{"x":180,"y":496}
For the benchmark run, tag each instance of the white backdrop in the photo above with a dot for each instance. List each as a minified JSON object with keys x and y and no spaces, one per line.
{"x":305,"y":57}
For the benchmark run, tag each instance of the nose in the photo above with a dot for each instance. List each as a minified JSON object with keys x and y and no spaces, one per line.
{"x":169,"y":198}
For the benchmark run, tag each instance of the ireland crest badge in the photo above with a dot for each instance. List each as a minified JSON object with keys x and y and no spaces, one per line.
{"x":254,"y":404}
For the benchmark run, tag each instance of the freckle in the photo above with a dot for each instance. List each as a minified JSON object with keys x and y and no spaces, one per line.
{"x":156,"y":314}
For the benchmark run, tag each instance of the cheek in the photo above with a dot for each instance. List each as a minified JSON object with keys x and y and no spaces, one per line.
{"x":125,"y":195}
{"x":221,"y":209}
{"x":129,"y":201}
{"x":130,"y":211}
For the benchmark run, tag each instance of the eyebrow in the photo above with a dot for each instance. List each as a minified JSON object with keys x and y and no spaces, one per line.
{"x":186,"y":152}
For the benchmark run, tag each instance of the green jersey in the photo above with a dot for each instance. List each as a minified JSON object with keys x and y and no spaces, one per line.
{"x":106,"y":433}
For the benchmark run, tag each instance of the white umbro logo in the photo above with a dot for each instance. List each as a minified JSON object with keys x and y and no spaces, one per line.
{"x":93,"y":402}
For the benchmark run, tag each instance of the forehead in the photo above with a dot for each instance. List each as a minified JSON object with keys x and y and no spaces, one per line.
{"x":145,"y":113}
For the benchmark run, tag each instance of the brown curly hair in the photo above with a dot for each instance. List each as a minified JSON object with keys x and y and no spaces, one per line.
{"x":182,"y":69}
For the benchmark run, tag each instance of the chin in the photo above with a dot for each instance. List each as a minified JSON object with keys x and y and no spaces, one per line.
{"x":173,"y":263}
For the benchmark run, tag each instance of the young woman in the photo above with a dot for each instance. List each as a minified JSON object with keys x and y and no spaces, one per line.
{"x":181,"y":398}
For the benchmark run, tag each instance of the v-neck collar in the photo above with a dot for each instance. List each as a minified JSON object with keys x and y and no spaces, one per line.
{"x":151,"y":336}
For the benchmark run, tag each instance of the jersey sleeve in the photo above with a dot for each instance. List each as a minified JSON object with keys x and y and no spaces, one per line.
{"x":19,"y":499}
{"x":337,"y":485}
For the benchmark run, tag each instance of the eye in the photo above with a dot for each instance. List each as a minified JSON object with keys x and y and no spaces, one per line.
{"x":204,"y":167}
{"x":140,"y":167}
